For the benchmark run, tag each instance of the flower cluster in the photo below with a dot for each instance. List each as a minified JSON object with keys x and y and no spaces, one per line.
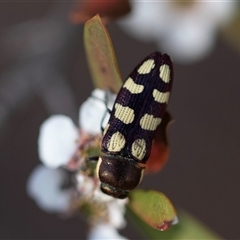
{"x":65,"y":148}
{"x":186,"y":30}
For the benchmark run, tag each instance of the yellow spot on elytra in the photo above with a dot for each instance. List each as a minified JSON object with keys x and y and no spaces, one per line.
{"x":165,"y":73}
{"x":160,"y":96}
{"x":133,"y":87}
{"x":116,"y":142}
{"x":146,"y":67}
{"x":149,"y":122}
{"x":139,"y":148}
{"x":124,"y":114}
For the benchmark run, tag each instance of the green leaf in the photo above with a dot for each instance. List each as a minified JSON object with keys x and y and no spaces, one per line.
{"x":153,"y":207}
{"x":101,"y":56}
{"x":187,"y":228}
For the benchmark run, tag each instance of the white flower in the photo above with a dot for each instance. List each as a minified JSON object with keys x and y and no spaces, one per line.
{"x":59,"y":138}
{"x":44,"y":186}
{"x":85,"y":184}
{"x":60,"y":144}
{"x":58,"y":141}
{"x":100,"y":196}
{"x":104,"y":231}
{"x":186,"y":31}
{"x":94,"y":109}
{"x":116,"y":209}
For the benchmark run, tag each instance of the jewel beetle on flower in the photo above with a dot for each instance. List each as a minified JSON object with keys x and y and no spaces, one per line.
{"x":136,"y":114}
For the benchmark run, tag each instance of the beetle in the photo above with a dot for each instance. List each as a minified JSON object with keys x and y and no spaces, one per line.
{"x":136,"y":114}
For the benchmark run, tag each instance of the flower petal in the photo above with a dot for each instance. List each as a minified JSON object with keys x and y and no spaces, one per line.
{"x":94,"y":109}
{"x":57,"y":141}
{"x":44,"y":186}
{"x":187,"y":44}
{"x":85,"y":184}
{"x":104,"y":231}
{"x":116,"y":209}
